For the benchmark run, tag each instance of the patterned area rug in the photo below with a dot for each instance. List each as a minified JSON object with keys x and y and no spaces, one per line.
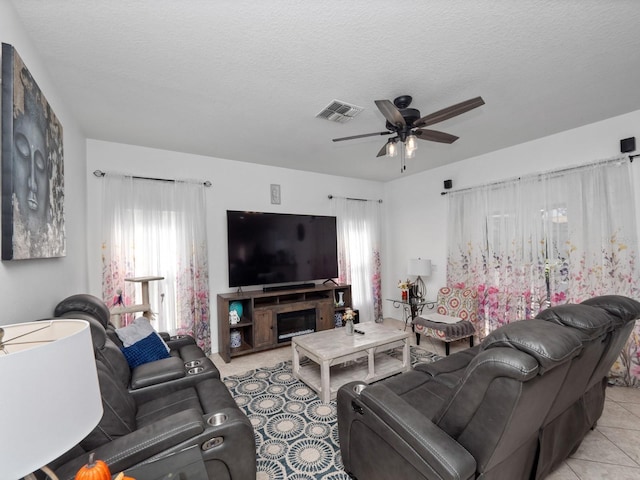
{"x":296,"y":434}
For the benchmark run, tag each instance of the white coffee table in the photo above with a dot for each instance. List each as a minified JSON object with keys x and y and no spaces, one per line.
{"x":340,"y":358}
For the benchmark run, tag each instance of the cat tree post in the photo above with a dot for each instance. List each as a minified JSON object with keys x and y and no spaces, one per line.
{"x":144,"y":307}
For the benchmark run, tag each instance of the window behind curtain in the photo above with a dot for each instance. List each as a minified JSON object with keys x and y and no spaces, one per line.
{"x":153,"y":228}
{"x":358,"y":225}
{"x":559,"y":237}
{"x":156,"y":253}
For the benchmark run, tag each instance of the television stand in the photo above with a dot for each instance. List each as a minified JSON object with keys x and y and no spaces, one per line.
{"x":330,"y":280}
{"x":296,"y":310}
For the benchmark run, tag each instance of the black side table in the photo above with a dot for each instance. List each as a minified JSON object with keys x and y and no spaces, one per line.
{"x":411,"y":308}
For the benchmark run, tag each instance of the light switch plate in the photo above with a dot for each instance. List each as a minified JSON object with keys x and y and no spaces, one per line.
{"x":275,"y":194}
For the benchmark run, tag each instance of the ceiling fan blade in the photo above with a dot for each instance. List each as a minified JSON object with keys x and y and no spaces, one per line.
{"x":353,"y":137}
{"x":383,"y":150}
{"x":391,"y":113}
{"x":449,"y":112}
{"x":435,"y":136}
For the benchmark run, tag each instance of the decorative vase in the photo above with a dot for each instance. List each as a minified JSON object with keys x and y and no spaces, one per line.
{"x":349,"y":326}
{"x":340,"y":302}
{"x":236,"y":338}
{"x":236,"y":307}
{"x":405,"y":295}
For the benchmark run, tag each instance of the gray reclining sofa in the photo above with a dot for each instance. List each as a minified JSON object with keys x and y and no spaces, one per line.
{"x":513,"y":407}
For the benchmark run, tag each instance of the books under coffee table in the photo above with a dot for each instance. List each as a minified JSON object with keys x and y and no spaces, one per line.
{"x":338,"y":358}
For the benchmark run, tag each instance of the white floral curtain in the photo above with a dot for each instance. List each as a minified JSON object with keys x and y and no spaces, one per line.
{"x":560,"y":237}
{"x":359,"y":233}
{"x":157,"y":228}
{"x":497,"y":246}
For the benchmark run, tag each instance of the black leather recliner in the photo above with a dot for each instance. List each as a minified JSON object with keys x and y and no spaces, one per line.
{"x":158,"y":408}
{"x":513,"y":407}
{"x":602,"y":341}
{"x":149,"y":380}
{"x":182,"y":346}
{"x":132,"y":431}
{"x":186,"y":366}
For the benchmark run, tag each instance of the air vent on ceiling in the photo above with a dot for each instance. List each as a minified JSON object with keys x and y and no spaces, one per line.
{"x":340,"y":112}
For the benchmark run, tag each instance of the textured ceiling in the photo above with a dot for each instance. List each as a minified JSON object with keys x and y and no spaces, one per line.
{"x":243,"y":80}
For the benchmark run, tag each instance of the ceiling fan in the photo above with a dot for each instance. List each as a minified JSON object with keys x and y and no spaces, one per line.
{"x":407,"y":124}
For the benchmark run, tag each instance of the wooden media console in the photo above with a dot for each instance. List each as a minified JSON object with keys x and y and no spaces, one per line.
{"x":270,"y":319}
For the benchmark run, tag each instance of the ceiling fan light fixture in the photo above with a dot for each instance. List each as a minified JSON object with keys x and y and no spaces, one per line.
{"x":410,"y":146}
{"x":407,"y":125}
{"x":411,"y":143}
{"x":409,"y":152}
{"x":392,"y":149}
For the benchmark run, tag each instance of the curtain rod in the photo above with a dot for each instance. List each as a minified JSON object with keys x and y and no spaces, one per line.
{"x":354,"y":199}
{"x":538,"y":175}
{"x":100,"y":173}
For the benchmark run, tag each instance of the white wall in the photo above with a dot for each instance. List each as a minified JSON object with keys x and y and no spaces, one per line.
{"x":236,"y":186}
{"x":30,"y":289}
{"x":418,"y":225}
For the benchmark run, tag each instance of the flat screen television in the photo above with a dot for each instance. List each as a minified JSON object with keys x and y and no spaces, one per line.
{"x":276,"y":248}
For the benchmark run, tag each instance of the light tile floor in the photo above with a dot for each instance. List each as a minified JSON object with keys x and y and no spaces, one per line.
{"x":611,"y":451}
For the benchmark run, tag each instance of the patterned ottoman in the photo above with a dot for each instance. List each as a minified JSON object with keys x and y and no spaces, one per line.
{"x":446,"y":332}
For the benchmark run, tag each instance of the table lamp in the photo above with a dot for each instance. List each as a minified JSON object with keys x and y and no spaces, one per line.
{"x":50,"y":397}
{"x":420,"y":268}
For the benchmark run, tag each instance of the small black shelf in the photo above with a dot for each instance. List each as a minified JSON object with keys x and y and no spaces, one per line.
{"x":265,"y":301}
{"x":291,"y":298}
{"x":318,"y":295}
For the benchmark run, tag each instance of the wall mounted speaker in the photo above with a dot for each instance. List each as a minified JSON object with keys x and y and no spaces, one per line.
{"x":627,"y":145}
{"x":448,"y":184}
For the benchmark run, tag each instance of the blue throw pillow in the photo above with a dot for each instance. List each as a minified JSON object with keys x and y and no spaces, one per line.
{"x":149,"y":349}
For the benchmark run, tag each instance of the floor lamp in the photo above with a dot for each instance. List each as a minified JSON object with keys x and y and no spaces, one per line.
{"x":420,"y":268}
{"x":50,"y":397}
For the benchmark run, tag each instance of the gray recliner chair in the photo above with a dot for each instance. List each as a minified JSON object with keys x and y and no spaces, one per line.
{"x":604,"y":331}
{"x":186,"y":366}
{"x":149,"y":380}
{"x":513,"y":407}
{"x":182,"y":346}
{"x":134,"y":431}
{"x":158,"y":408}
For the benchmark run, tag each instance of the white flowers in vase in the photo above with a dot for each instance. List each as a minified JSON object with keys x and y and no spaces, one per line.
{"x":405,"y":286}
{"x":349,"y":315}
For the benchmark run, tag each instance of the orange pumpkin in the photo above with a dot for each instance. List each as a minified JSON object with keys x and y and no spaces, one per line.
{"x":122,"y":476}
{"x":94,"y":470}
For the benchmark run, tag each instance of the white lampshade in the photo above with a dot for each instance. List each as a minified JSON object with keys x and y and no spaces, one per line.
{"x":419,"y":267}
{"x":50,"y":397}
